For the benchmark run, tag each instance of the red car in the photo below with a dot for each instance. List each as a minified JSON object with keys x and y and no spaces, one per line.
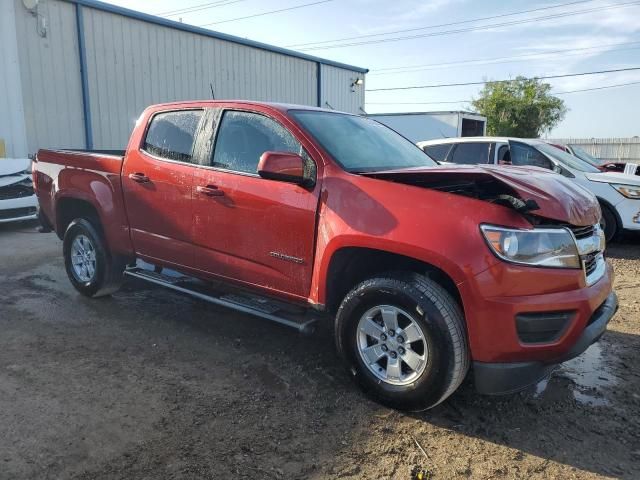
{"x":299,"y":214}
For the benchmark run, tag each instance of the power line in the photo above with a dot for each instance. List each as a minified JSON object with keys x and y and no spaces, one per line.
{"x":474,"y":28}
{"x":467,"y":101}
{"x":440,"y":85}
{"x":196,"y":8}
{"x":494,"y":60}
{"x":492,"y":17}
{"x":267,"y":13}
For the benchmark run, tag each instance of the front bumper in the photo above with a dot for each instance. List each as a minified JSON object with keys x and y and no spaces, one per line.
{"x":16,"y":209}
{"x":504,"y":378}
{"x":629,"y":212}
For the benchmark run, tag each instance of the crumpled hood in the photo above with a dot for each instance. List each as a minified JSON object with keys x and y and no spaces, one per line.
{"x":614,"y":177}
{"x":557,"y":197}
{"x":11,"y":170}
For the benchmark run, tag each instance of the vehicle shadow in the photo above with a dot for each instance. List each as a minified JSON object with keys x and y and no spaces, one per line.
{"x":627,"y":247}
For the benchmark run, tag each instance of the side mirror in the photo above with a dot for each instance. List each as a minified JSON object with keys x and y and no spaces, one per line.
{"x":283,"y":167}
{"x":556,"y":168}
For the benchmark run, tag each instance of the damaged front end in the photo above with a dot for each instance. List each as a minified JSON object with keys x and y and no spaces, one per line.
{"x":531,"y":191}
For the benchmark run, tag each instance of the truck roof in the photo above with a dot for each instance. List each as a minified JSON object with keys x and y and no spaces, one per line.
{"x":283,"y":107}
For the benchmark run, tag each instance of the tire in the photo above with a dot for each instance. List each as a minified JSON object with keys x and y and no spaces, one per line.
{"x":609,"y":223}
{"x":444,"y":361}
{"x":106,"y":275}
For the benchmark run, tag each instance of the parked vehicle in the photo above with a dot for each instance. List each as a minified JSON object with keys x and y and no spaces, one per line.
{"x":297,"y":214}
{"x":617,"y":193}
{"x":577,"y":151}
{"x":17,"y":198}
{"x":417,"y":126}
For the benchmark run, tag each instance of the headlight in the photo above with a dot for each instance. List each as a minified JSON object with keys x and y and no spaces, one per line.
{"x":543,"y":247}
{"x":628,"y":191}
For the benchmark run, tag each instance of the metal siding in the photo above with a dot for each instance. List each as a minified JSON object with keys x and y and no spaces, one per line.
{"x":337,"y":91}
{"x":50,"y":77}
{"x":611,"y":149}
{"x":132,"y":64}
{"x":12,"y":124}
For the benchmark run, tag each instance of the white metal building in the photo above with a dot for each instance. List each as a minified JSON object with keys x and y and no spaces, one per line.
{"x":421,"y":126}
{"x":77,"y":73}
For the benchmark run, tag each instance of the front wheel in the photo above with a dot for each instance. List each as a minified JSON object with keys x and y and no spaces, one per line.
{"x":90,"y":267}
{"x":403,"y":339}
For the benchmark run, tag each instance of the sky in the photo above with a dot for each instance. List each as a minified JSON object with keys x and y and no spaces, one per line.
{"x":583,"y":36}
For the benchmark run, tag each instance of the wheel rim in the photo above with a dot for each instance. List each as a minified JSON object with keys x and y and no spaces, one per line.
{"x":83,"y":258}
{"x":392,"y":345}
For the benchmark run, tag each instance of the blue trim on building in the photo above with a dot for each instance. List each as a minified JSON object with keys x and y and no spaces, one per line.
{"x":82,"y":53}
{"x":319,"y":84}
{"x":145,"y":17}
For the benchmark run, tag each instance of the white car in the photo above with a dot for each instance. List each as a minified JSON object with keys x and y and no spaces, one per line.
{"x":17,"y":198}
{"x":618,"y":193}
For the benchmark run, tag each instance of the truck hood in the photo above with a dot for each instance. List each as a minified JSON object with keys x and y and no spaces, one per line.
{"x":546,"y":194}
{"x":614,"y":177}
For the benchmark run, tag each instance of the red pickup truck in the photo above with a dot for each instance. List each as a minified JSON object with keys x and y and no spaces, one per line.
{"x":299,"y":214}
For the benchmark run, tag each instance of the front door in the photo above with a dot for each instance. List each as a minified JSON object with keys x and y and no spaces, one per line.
{"x":157,"y":181}
{"x":256,"y":231}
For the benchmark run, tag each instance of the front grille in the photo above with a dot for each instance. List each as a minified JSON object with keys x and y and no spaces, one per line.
{"x":17,"y":212}
{"x":582,"y":232}
{"x":590,"y":262}
{"x":15,"y":191}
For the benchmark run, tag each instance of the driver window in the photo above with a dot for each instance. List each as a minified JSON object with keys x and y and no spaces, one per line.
{"x":525,"y":155}
{"x":243,"y":137}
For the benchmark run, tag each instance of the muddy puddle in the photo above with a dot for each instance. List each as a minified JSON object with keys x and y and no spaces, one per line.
{"x":589,"y":378}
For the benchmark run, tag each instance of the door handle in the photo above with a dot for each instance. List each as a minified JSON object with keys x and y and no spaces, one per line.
{"x":139,"y":177}
{"x":210,"y":190}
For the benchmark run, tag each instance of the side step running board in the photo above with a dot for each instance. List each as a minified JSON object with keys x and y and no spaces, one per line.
{"x":242,"y":303}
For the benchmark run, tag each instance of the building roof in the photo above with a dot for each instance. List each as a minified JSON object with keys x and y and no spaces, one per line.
{"x":439,"y":112}
{"x":145,"y":17}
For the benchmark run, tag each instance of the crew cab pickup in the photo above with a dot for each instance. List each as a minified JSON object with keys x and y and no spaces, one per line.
{"x":297,"y":214}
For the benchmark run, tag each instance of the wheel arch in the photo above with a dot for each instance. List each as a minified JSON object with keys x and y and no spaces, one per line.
{"x":349,"y":266}
{"x":613,"y":209}
{"x":69,"y":208}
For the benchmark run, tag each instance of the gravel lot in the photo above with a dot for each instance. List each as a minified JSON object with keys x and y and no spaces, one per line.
{"x":151,"y":384}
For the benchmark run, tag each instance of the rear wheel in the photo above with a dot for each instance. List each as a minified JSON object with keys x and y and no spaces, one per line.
{"x":90,"y":267}
{"x":403,"y":340}
{"x":608,"y":222}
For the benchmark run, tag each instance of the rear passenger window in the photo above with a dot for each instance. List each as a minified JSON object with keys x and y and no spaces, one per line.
{"x":171,"y":135}
{"x":471,"y":153}
{"x":438,"y":152}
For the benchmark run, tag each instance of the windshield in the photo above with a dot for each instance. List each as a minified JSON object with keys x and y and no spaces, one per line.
{"x":581,"y":154}
{"x":360,"y":144}
{"x":565,"y":159}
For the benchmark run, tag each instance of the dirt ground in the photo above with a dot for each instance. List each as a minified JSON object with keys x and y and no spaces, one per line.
{"x":149,"y":384}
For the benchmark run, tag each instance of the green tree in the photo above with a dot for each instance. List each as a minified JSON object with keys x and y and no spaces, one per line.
{"x":519,"y":108}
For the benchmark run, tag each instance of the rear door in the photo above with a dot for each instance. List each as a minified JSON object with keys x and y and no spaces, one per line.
{"x":246,"y":228}
{"x":157,"y":181}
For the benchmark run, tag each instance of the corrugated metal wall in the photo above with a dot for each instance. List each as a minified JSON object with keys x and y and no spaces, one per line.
{"x":610,"y":149}
{"x":337,"y":92}
{"x":13,"y":133}
{"x":49,"y":71}
{"x":134,"y":60}
{"x":132,"y":64}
